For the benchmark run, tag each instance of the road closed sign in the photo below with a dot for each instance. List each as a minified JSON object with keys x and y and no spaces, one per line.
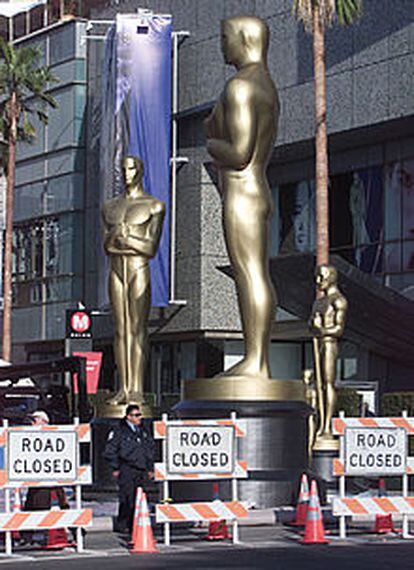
{"x":35,"y":455}
{"x":200,"y":449}
{"x":375,"y":451}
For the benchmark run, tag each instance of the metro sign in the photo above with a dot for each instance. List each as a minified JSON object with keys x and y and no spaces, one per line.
{"x":78,"y":324}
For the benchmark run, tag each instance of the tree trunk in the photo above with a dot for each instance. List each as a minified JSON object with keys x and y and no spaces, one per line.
{"x":8,"y":235}
{"x":321,"y":143}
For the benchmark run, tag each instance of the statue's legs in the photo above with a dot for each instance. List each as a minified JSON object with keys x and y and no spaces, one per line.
{"x":246,"y":220}
{"x":329,"y":359}
{"x":117,"y":297}
{"x":139,"y":299}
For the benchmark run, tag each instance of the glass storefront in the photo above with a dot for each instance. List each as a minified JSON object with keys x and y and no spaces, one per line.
{"x":371,"y":219}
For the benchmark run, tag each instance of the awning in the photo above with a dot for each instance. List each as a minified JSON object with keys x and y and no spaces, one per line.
{"x":10,"y":9}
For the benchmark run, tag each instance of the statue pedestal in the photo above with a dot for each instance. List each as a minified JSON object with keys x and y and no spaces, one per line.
{"x":275,"y":446}
{"x":325,"y":450}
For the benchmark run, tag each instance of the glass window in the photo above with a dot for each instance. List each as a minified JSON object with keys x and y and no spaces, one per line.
{"x":297,"y":217}
{"x":62,"y":44}
{"x":48,"y":246}
{"x":407,"y":190}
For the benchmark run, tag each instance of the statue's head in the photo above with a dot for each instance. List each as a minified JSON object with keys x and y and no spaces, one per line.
{"x":308,"y":376}
{"x":244,"y":39}
{"x":326,"y":276}
{"x":133,"y":170}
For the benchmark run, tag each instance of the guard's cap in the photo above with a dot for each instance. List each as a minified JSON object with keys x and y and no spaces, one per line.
{"x":40,"y":415}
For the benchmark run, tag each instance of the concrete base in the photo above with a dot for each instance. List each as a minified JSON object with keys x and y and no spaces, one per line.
{"x":275,"y":450}
{"x":322,"y":467}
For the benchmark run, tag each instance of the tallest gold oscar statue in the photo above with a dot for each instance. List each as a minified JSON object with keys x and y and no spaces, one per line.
{"x":241,"y":132}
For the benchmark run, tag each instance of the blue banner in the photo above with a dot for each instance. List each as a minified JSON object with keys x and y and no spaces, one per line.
{"x":136,"y":118}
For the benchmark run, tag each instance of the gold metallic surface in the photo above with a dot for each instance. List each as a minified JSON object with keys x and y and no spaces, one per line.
{"x":327,"y":323}
{"x":108,"y":410}
{"x":241,"y":132}
{"x":241,"y":388}
{"x":312,"y":400}
{"x":132,"y":230}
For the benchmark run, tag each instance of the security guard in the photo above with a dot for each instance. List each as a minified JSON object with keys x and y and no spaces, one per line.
{"x":130,"y":452}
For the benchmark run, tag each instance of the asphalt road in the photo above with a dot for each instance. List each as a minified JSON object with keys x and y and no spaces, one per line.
{"x":272,"y":547}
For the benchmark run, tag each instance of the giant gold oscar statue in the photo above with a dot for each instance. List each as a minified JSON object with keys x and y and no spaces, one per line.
{"x":327,"y":324}
{"x":241,"y":133}
{"x":132,"y":229}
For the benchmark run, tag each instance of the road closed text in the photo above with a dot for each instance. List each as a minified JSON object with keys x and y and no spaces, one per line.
{"x":200,"y":449}
{"x":375,"y":451}
{"x":37,"y":456}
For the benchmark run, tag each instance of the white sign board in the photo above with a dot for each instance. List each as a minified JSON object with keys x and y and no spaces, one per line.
{"x":35,"y":455}
{"x":375,"y":451}
{"x":200,"y":449}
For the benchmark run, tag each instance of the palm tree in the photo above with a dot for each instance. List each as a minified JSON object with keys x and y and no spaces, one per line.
{"x":23,"y":85}
{"x":316,"y":15}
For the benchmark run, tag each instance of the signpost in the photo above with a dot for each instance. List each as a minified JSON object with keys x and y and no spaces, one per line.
{"x":200,"y":449}
{"x":78,"y":324}
{"x":375,"y":451}
{"x":46,"y":456}
{"x":42,"y":455}
{"x":373,"y":447}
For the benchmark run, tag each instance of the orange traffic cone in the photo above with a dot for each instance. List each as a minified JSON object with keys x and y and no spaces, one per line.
{"x":383,"y":523}
{"x":57,"y":539}
{"x":17,"y":507}
{"x":302,"y":504}
{"x":314,"y":531}
{"x":217,"y":530}
{"x":138,"y":499}
{"x":142,"y":537}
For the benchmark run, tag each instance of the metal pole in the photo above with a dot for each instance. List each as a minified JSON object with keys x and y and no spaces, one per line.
{"x":174,"y":129}
{"x":165,"y":486}
{"x":342,"y":519}
{"x":174,"y":164}
{"x":79,"y":535}
{"x":406,"y":524}
{"x":234,"y":486}
{"x":9,"y":544}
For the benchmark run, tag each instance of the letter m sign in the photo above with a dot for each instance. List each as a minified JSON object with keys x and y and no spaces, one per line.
{"x":78,"y":324}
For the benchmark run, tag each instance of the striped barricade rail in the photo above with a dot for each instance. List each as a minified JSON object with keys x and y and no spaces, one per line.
{"x":160,"y":427}
{"x":340,"y":424}
{"x":195,"y":512}
{"x":38,"y":520}
{"x":351,"y":507}
{"x":160,"y":473}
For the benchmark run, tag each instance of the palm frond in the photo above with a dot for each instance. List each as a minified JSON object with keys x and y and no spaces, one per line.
{"x":348,"y":11}
{"x":345,"y":11}
{"x":23,"y":77}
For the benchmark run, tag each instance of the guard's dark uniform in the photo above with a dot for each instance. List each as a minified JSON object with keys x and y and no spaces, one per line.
{"x":131,"y":452}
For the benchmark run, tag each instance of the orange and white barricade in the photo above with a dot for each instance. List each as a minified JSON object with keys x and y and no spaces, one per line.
{"x":191,"y":432}
{"x":344,"y":506}
{"x":29,"y":457}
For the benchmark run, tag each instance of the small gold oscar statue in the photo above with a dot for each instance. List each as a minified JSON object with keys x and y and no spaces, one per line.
{"x":312,"y":401}
{"x":327,"y":323}
{"x":132,"y":229}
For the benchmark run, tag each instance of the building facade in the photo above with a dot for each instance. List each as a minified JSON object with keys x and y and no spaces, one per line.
{"x":371,"y":154}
